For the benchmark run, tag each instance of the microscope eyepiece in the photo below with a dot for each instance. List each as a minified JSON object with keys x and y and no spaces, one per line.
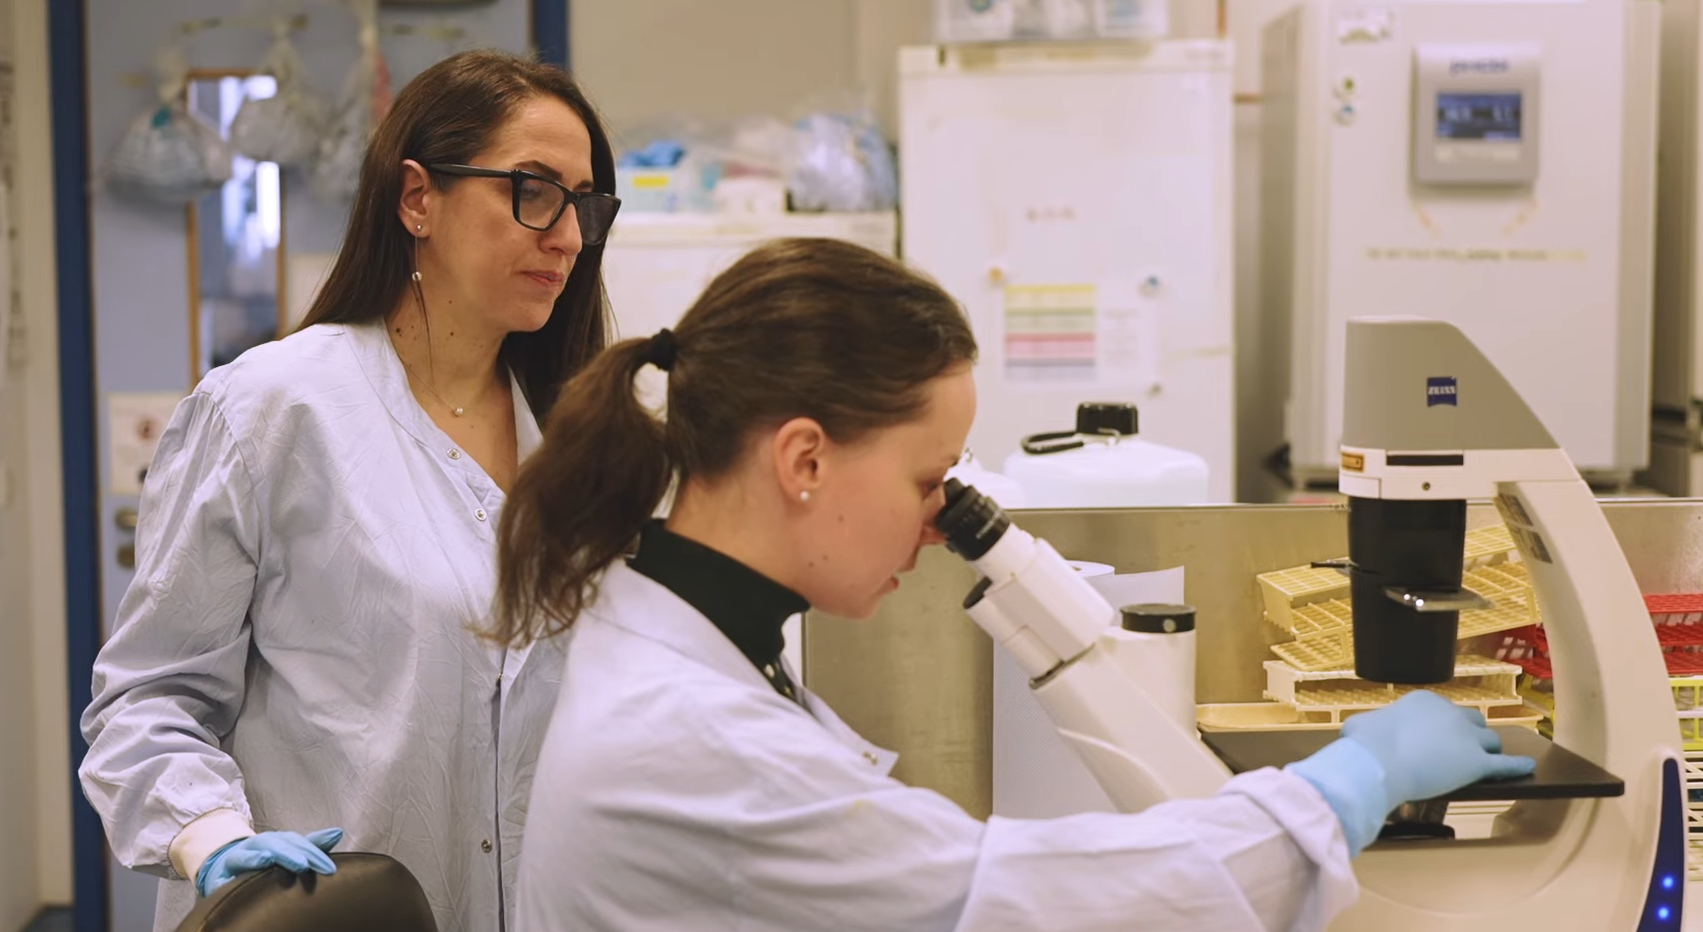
{"x":970,"y":520}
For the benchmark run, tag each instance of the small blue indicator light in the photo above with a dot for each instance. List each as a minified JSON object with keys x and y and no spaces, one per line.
{"x":1667,"y":882}
{"x":1663,"y":913}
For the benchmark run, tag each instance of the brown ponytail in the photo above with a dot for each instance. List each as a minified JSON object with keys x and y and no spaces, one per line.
{"x":811,"y":328}
{"x":608,"y":470}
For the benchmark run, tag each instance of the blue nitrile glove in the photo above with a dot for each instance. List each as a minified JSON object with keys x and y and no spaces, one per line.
{"x":293,"y":852}
{"x":1419,"y":747}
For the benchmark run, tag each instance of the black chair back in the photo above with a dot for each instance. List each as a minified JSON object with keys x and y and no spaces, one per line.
{"x":369,"y":892}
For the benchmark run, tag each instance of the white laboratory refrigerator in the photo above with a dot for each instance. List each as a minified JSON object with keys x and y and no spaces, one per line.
{"x":1076,"y":199}
{"x":1485,"y":163}
{"x":656,"y":264}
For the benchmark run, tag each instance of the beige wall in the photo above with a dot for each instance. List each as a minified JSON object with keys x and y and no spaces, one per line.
{"x":1243,"y":21}
{"x":34,"y":212}
{"x":884,"y":27}
{"x":641,"y":59}
{"x":35,"y":820}
{"x":18,"y":726}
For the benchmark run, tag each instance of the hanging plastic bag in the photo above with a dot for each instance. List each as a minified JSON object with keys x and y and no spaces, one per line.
{"x":286,"y":127}
{"x":754,"y":158}
{"x":167,"y":155}
{"x":336,"y":170}
{"x":842,"y":164}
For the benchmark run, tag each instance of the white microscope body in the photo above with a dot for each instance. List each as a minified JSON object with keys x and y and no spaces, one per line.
{"x":1065,"y":637}
{"x":1428,"y":420}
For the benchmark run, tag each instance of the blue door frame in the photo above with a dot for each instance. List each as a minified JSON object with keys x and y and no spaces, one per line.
{"x":69,"y":90}
{"x":550,"y":31}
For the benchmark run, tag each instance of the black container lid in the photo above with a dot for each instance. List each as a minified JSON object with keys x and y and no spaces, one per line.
{"x":1107,"y":417}
{"x":1152,"y":618}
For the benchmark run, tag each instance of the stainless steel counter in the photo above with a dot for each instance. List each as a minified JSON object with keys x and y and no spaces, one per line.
{"x":917,"y":678}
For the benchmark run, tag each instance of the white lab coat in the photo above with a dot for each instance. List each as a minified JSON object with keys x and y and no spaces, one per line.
{"x":677,"y":790}
{"x":296,"y":648}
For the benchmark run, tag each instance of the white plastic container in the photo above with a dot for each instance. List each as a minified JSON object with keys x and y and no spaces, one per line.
{"x":750,"y":196}
{"x":1155,"y":644}
{"x":1105,"y":464}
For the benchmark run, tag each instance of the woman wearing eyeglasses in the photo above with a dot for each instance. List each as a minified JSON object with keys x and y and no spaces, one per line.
{"x":296,"y":663}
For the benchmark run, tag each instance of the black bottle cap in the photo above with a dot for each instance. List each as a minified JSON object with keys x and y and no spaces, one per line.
{"x":1107,"y":417}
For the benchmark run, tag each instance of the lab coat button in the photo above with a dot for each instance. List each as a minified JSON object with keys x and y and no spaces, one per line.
{"x":480,"y":514}
{"x":871,"y":758}
{"x":455,"y":454}
{"x":485,"y":846}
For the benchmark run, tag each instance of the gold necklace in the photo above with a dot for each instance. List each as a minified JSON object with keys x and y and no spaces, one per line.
{"x":453,"y":409}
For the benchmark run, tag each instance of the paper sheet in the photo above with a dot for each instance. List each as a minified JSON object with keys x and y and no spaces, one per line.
{"x":1050,"y":333}
{"x":1163,"y":586}
{"x":1035,"y":774}
{"x":1100,"y":336}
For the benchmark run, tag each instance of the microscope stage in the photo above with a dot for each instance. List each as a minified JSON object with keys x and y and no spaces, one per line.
{"x":1561,"y":774}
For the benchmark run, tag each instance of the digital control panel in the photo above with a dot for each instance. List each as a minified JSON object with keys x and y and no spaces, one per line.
{"x":1475,"y":114}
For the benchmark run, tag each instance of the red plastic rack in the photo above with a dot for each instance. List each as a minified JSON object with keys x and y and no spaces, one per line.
{"x":1679,"y":631}
{"x":1690,"y":603}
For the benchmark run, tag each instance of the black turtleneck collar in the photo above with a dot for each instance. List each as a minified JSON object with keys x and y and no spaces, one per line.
{"x":747,"y":606}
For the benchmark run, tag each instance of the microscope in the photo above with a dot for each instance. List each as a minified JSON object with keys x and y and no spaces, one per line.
{"x":1595,"y":840}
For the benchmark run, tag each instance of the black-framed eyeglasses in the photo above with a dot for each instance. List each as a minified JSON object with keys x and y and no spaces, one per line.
{"x":539,"y":201}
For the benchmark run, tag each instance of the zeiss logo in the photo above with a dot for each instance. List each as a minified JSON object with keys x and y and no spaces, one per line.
{"x":1441,"y":391}
{"x":1479,"y":66}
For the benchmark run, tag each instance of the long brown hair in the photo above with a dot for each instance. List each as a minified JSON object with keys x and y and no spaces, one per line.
{"x":811,"y":328}
{"x":449,"y":113}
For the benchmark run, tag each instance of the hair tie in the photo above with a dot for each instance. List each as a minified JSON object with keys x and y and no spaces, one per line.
{"x":661,"y":349}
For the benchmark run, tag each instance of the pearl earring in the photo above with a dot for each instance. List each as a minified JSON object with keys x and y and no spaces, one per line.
{"x":804,"y":496}
{"x":417,"y":228}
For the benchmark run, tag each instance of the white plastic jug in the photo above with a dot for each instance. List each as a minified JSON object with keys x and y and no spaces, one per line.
{"x":1104,"y":464}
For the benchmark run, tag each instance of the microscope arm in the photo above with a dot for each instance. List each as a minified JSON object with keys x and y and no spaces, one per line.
{"x":1137,"y":753}
{"x":1085,"y":674}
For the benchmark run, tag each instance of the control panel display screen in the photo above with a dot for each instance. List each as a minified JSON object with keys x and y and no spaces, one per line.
{"x":1486,"y":117}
